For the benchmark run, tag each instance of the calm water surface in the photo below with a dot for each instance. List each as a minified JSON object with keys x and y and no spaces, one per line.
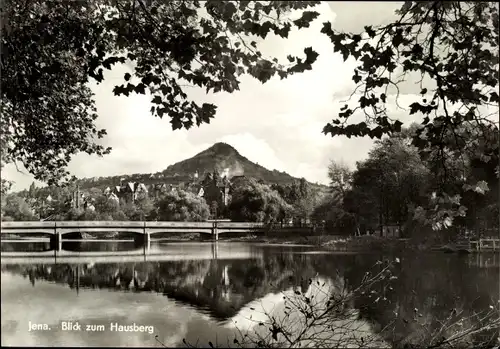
{"x":205,"y":292}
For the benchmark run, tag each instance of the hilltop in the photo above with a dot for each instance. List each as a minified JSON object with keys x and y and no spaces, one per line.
{"x":220,"y":157}
{"x":223,"y":157}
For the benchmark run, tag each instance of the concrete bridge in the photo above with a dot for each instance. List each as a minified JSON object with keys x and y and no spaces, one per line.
{"x":144,"y":230}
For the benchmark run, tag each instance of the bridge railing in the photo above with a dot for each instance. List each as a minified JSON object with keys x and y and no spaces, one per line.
{"x":28,"y":224}
{"x":44,"y":225}
{"x":99,"y":224}
{"x":239,"y":225}
{"x":206,"y":225}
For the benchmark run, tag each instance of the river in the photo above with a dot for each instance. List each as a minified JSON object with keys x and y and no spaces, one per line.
{"x":208,"y":293}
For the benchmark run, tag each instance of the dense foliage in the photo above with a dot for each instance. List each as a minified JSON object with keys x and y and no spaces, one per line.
{"x":16,"y":208}
{"x":257,"y":202}
{"x":301,"y":196}
{"x":249,"y":200}
{"x":442,"y":171}
{"x":395,"y":186}
{"x":453,"y":49}
{"x":181,"y":205}
{"x":52,"y":49}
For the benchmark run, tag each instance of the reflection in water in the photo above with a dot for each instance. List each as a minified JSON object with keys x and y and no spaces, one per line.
{"x":207,"y":297}
{"x":31,"y":246}
{"x":341,"y":327}
{"x":81,"y":246}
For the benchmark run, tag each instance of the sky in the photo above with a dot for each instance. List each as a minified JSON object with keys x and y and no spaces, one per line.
{"x":278,"y":124}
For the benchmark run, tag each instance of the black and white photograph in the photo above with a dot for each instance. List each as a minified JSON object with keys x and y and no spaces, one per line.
{"x":250,"y":174}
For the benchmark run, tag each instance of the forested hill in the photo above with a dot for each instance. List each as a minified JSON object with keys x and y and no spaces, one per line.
{"x":220,"y":157}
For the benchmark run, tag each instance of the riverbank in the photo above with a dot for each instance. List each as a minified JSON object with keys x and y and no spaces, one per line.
{"x":341,"y":243}
{"x":328,"y":242}
{"x":360,"y":243}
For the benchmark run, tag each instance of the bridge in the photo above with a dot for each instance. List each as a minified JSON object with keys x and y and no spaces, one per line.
{"x":143,"y":229}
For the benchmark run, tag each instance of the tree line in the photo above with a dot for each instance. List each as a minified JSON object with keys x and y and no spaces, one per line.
{"x":250,"y":200}
{"x":396,"y":186}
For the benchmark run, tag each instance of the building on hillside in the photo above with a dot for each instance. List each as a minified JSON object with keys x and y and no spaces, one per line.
{"x":77,"y":198}
{"x":130,"y":191}
{"x":156,"y":190}
{"x":215,"y":189}
{"x":140,"y":191}
{"x":235,"y":180}
{"x":388,"y":231}
{"x":200,"y":192}
{"x":89,"y":205}
{"x":113,"y":197}
{"x":107,"y":191}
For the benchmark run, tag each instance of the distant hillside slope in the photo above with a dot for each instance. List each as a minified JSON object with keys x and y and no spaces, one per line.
{"x":221,"y":157}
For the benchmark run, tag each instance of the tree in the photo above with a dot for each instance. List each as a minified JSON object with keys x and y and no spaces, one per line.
{"x":145,"y":207}
{"x":105,"y":206}
{"x":474,"y":180}
{"x":74,"y":214}
{"x":5,"y":186}
{"x":32,"y":190}
{"x":16,"y":208}
{"x":87,"y":215}
{"x":453,"y":46}
{"x":300,"y":196}
{"x":116,"y":216}
{"x":389,"y":185}
{"x":129,"y":210}
{"x":51,"y":50}
{"x":61,"y":202}
{"x":282,"y":190}
{"x":180,"y":205}
{"x":332,"y":209}
{"x":138,"y":210}
{"x":332,"y":212}
{"x":93,"y":193}
{"x":340,"y":178}
{"x":256,"y":202}
{"x":303,"y":199}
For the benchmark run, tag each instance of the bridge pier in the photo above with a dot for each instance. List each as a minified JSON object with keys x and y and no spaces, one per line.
{"x":147,"y":242}
{"x":144,"y":240}
{"x":215,"y":232}
{"x":56,"y":241}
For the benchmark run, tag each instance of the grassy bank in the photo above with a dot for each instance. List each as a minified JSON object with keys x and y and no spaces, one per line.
{"x":339,"y":243}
